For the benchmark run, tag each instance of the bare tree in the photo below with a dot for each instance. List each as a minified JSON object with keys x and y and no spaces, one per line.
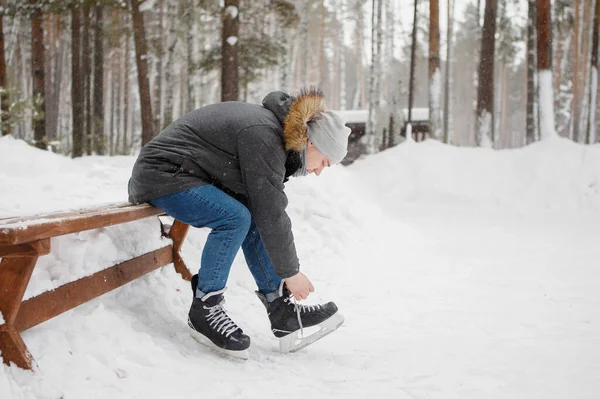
{"x":484,"y":124}
{"x":141,"y":55}
{"x":229,"y":51}
{"x":546,"y":97}
{"x":435,"y":79}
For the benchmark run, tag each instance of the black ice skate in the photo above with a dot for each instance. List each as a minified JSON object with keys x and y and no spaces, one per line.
{"x":212,"y":326}
{"x":289,"y":319}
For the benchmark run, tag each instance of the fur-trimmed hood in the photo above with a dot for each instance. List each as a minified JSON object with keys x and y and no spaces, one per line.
{"x":294,"y":113}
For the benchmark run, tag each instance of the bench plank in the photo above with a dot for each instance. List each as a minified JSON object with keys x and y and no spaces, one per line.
{"x":15,"y":231}
{"x":35,"y":248}
{"x":45,"y":306}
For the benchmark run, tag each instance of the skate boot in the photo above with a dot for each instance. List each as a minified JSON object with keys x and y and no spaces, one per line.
{"x":289,"y":320}
{"x":212,"y":326}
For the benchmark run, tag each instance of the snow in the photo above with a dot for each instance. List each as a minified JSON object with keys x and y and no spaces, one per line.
{"x":1,"y":318}
{"x":354,"y":115}
{"x":231,"y":11}
{"x":148,"y":5}
{"x":546,"y":101}
{"x":417,"y":114}
{"x":362,"y":115}
{"x":485,"y":129}
{"x":461,"y":272}
{"x":232,"y":40}
{"x":435,"y":94}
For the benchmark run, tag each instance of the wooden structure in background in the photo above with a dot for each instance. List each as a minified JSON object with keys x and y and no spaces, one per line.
{"x":23,"y":240}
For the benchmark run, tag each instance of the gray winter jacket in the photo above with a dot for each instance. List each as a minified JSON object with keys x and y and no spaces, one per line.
{"x":247,"y":150}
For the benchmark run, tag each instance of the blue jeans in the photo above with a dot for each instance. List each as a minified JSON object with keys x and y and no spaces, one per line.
{"x":231,"y":227}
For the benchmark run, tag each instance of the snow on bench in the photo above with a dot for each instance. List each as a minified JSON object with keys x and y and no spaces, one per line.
{"x":24,"y":239}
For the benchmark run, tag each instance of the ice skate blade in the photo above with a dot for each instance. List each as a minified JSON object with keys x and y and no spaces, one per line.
{"x":294,"y":342}
{"x":243,"y":354}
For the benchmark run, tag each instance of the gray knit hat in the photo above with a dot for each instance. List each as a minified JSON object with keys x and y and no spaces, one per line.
{"x":330,"y":135}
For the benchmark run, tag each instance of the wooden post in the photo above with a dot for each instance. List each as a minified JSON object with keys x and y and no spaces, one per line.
{"x":178,"y":233}
{"x":15,"y":273}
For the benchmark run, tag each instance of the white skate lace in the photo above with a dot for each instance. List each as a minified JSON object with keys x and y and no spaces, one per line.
{"x":301,"y":309}
{"x":218,"y":319}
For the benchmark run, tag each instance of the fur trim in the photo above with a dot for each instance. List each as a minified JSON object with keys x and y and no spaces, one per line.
{"x":304,"y":108}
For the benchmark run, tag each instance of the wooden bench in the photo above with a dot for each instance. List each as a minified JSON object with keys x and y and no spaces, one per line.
{"x":24,"y":239}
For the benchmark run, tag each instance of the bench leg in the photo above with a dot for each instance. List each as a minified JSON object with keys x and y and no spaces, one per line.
{"x":178,"y":233}
{"x":14,"y":278}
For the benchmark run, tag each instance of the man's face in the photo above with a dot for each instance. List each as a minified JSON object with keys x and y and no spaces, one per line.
{"x":315,"y":161}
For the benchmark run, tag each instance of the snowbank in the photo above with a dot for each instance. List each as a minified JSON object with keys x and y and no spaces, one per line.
{"x":462,"y":273}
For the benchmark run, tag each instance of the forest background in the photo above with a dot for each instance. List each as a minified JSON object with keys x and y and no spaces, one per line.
{"x":105,"y":76}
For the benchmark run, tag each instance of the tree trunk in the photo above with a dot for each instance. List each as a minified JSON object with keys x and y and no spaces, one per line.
{"x":37,"y":69}
{"x":574,"y":132}
{"x":141,"y":55}
{"x":503,"y":130}
{"x":591,"y":128}
{"x":450,"y":25}
{"x":374,"y":77}
{"x":546,"y":97}
{"x":586,"y":51}
{"x":99,"y":142}
{"x":158,"y":86}
{"x":4,"y":97}
{"x":304,"y":42}
{"x":126,"y":99}
{"x":359,"y":95}
{"x":530,"y":125}
{"x":76,"y":86}
{"x":229,"y":51}
{"x":411,"y":79}
{"x":54,"y":65}
{"x":435,"y":79}
{"x":321,"y":50}
{"x":171,"y":17}
{"x":86,"y":71}
{"x":191,"y":98}
{"x":342,"y":59}
{"x":484,"y":125}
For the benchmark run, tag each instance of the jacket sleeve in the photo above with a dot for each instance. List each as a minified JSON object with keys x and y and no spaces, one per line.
{"x":262,"y":164}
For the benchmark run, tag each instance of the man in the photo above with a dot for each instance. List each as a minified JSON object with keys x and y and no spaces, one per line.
{"x":224,"y":166}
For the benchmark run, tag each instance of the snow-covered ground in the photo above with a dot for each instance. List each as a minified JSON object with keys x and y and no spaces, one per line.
{"x":462,"y":273}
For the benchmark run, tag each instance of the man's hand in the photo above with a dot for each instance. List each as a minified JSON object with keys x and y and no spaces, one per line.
{"x":299,"y":285}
